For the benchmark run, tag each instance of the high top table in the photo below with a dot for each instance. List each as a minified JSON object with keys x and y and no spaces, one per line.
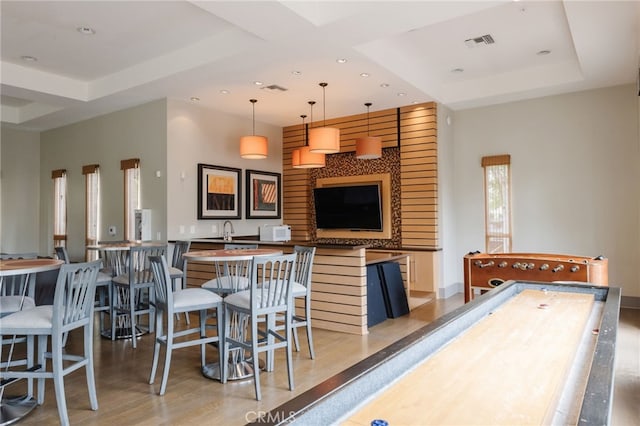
{"x":238,"y":367}
{"x":122,"y":330}
{"x":14,"y":408}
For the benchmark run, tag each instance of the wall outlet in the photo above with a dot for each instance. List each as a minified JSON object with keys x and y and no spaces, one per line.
{"x":214,"y":229}
{"x":192,"y":229}
{"x":158,"y":236}
{"x":181,"y":229}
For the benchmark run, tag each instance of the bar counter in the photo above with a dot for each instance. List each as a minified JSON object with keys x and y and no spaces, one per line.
{"x":339,"y":276}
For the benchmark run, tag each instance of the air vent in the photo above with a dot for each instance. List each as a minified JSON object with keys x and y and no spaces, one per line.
{"x":274,"y":88}
{"x":478,"y":41}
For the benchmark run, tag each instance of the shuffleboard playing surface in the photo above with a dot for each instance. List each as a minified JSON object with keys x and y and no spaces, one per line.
{"x":509,"y":368}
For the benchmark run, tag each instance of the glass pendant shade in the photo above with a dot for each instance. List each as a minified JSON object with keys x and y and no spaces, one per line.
{"x":369,"y":148}
{"x":253,"y":147}
{"x":324,"y":140}
{"x":310,"y":160}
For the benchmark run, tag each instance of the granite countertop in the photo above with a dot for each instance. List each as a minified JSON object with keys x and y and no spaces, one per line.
{"x":250,"y":239}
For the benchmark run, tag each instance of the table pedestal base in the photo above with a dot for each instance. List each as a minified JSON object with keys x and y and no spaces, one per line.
{"x":236,"y":371}
{"x":14,"y":409}
{"x":122,"y":333}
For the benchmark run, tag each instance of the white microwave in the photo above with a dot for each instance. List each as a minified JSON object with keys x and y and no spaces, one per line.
{"x":275,"y":233}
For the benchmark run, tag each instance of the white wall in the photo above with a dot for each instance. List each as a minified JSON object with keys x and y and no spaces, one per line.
{"x":138,"y":132}
{"x":19,"y":191}
{"x":449,"y":261}
{"x":199,"y":135}
{"x":575,"y":176}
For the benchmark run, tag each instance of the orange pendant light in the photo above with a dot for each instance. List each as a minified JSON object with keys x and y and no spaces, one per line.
{"x":295,"y":154}
{"x":324,"y":140}
{"x":253,"y":147}
{"x":368,"y":147}
{"x":304,"y":158}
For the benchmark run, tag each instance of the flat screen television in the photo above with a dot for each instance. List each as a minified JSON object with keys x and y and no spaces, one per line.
{"x":355,"y":207}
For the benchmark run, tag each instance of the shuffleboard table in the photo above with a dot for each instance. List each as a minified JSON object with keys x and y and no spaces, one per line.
{"x":524,"y":353}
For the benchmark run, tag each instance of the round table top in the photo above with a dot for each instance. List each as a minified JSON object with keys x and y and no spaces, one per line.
{"x":229,"y":254}
{"x":125,"y":245}
{"x":27,"y":266}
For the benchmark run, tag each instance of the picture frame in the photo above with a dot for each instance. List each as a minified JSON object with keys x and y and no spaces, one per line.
{"x":219,"y":192}
{"x":263,"y":191}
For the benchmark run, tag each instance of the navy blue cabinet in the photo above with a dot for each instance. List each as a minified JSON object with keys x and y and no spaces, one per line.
{"x":386,"y":297}
{"x":376,"y":307}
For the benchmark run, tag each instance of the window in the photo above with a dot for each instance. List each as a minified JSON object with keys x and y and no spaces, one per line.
{"x":497,"y":203}
{"x":131,"y":170}
{"x":59,"y":207}
{"x":92,"y":208}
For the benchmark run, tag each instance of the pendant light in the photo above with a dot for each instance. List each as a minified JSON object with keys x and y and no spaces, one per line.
{"x":253,"y":147}
{"x":368,"y":147}
{"x":295,"y":154}
{"x":308,"y":158}
{"x":325,"y":140}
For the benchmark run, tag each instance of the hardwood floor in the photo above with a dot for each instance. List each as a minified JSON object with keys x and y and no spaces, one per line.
{"x":126,"y":398}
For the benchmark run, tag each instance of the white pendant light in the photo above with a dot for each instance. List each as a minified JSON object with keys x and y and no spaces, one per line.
{"x":368,"y":147}
{"x":324,"y":140}
{"x":308,"y":158}
{"x":253,"y":147}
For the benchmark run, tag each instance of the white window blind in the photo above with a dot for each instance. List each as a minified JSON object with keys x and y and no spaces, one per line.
{"x":92,"y":208}
{"x":59,"y":207}
{"x":131,"y":170}
{"x":497,"y":196}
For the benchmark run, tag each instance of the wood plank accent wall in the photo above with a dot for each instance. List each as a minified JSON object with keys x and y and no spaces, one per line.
{"x":414,"y":129}
{"x":419,"y":176}
{"x":339,"y":290}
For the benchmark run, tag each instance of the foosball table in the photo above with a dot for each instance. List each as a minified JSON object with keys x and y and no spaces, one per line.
{"x":484,"y":271}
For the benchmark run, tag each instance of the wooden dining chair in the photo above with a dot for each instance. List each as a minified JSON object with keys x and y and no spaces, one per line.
{"x":72,"y":308}
{"x":177,"y":268}
{"x":269,"y":295}
{"x":301,"y":290}
{"x":170,"y":303}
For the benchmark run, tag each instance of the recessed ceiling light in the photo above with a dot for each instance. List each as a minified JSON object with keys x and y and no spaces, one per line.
{"x":543,"y":52}
{"x":415,"y":102}
{"x":364,"y":74}
{"x":402,"y":94}
{"x":341,"y":60}
{"x":86,"y":30}
{"x":194,"y":98}
{"x":258,"y":83}
{"x":28,"y":58}
{"x":457,"y":70}
{"x":224,"y":92}
{"x":384,"y":85}
{"x":296,"y":72}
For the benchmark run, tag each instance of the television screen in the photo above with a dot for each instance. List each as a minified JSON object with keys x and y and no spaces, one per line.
{"x":348,"y":207}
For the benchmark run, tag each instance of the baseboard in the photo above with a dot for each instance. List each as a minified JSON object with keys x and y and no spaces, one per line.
{"x":450,"y":290}
{"x":632,"y":302}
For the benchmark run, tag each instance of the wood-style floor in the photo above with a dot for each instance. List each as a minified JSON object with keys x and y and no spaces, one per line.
{"x":126,"y":398}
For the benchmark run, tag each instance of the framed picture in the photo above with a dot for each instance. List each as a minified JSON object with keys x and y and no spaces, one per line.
{"x":219,"y":192}
{"x":263,"y":195}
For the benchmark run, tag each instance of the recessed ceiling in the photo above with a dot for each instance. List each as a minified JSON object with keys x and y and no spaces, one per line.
{"x":142,"y":51}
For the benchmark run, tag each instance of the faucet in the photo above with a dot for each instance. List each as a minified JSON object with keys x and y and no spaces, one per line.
{"x":227,"y":235}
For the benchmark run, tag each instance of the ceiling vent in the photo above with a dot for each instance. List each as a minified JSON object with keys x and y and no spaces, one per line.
{"x":274,"y":88}
{"x":478,"y":41}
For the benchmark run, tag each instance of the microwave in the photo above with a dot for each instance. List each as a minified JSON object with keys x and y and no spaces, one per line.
{"x":275,"y":233}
